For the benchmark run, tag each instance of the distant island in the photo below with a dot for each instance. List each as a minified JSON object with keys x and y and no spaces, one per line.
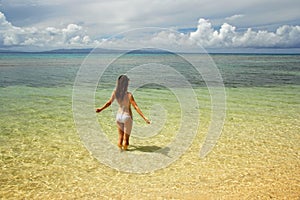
{"x":91,"y":50}
{"x":256,"y":51}
{"x":64,"y":51}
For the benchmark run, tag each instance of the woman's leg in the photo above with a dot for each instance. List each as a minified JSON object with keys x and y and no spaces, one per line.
{"x":127,"y":131}
{"x":126,"y":140}
{"x":121,"y":134}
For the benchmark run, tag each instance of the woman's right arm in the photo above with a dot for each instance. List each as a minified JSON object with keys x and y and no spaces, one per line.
{"x":134,"y":104}
{"x":108,"y":103}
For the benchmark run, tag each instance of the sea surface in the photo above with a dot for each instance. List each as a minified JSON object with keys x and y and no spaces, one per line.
{"x":237,"y":70}
{"x":257,"y":155}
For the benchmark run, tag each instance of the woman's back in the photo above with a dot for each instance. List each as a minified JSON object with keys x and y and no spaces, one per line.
{"x":124,"y":104}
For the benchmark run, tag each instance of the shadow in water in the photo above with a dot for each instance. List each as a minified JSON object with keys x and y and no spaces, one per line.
{"x":150,"y":149}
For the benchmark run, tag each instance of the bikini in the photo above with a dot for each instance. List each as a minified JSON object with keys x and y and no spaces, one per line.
{"x":123,"y":117}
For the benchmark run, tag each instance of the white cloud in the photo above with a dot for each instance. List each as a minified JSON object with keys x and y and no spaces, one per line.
{"x":76,"y":36}
{"x":206,"y":36}
{"x":4,"y":24}
{"x":110,"y":17}
{"x":72,"y":35}
{"x":234,"y":17}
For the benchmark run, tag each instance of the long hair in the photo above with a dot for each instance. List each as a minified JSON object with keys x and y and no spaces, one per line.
{"x":121,"y":88}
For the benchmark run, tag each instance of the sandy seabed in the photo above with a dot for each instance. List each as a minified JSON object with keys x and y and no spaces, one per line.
{"x":256,"y":157}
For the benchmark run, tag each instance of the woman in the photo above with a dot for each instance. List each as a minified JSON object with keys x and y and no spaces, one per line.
{"x":124,"y":115}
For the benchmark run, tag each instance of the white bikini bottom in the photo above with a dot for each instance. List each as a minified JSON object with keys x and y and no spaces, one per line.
{"x":123,"y":117}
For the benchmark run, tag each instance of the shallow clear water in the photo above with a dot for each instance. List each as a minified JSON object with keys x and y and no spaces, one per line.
{"x":257,"y":155}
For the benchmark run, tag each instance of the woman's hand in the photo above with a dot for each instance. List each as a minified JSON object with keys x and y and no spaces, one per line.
{"x":147,"y":121}
{"x":98,"y":110}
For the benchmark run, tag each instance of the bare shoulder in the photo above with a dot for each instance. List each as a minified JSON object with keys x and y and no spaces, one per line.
{"x":113,"y":93}
{"x":130,"y":95}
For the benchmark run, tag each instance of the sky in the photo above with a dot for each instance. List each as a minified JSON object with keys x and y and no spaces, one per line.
{"x":234,"y":25}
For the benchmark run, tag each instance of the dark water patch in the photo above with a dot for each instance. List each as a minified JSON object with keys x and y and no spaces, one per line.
{"x":56,"y":70}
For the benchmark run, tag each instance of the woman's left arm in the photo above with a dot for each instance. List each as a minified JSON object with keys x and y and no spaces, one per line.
{"x":107,"y":104}
{"x":134,"y":104}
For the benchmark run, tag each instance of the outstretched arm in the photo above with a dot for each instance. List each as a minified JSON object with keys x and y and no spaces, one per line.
{"x":132,"y":101}
{"x":108,"y":103}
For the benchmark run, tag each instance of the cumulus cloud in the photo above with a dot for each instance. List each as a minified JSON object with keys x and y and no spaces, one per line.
{"x":151,"y":37}
{"x":227,"y":36}
{"x":72,"y":35}
{"x":205,"y":35}
{"x":4,"y":24}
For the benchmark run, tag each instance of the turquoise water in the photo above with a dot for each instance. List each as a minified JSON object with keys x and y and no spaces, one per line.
{"x":41,"y":150}
{"x":32,"y":82}
{"x":57,"y":70}
{"x":36,"y":89}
